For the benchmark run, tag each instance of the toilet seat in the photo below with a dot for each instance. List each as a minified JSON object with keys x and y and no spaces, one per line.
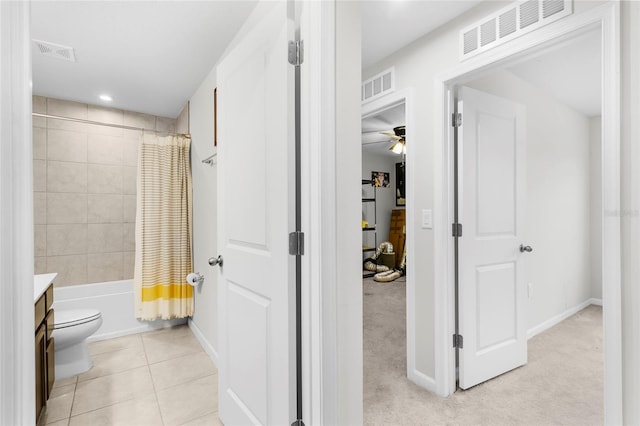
{"x":73,"y":317}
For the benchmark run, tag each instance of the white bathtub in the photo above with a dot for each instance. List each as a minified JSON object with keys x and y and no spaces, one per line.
{"x":115,"y":300}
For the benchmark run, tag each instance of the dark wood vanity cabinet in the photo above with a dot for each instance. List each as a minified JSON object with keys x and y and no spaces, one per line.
{"x":44,"y":349}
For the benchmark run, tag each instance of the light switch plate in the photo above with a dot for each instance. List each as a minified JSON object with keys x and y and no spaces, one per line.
{"x":427,"y":219}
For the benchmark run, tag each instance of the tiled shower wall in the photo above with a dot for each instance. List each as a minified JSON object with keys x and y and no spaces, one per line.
{"x":85,"y":190}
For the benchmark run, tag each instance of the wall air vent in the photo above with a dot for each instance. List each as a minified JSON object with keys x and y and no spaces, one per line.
{"x":378,"y":85}
{"x":511,"y":22}
{"x":54,"y":50}
{"x":470,"y":40}
{"x":529,"y":13}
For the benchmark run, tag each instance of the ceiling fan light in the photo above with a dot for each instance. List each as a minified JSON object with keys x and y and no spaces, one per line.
{"x":398,"y":147}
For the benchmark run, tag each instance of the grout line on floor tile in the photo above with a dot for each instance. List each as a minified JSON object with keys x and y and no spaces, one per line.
{"x":155,"y":391}
{"x":148,"y":365}
{"x":190,"y":380}
{"x":102,"y":408}
{"x":73,"y":400}
{"x":153,"y":382}
{"x":128,"y":368}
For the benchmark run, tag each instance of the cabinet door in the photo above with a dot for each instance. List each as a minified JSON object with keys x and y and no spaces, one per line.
{"x":41,"y":378}
{"x":51,"y":367}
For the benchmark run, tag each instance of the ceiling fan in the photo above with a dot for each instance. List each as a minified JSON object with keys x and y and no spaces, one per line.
{"x":398,"y":135}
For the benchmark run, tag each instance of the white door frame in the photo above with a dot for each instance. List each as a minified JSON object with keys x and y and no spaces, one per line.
{"x":17,"y":392}
{"x":330,"y":394}
{"x":606,"y":17}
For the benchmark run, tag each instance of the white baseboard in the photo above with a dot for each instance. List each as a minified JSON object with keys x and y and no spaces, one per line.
{"x":422,"y":380}
{"x":561,"y":317}
{"x":149,"y":326}
{"x":204,"y":342}
{"x":594,"y":301}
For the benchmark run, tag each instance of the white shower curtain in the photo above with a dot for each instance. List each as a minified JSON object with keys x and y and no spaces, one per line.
{"x":163,"y":229}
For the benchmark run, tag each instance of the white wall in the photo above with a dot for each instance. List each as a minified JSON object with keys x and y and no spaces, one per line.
{"x":205,"y":214}
{"x":385,"y":197}
{"x":595,"y":143}
{"x":630,"y":208}
{"x":417,"y":65}
{"x":348,"y":250}
{"x":558,"y":198}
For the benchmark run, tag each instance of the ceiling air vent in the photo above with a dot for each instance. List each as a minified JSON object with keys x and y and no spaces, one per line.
{"x":378,"y":85}
{"x":511,"y":22}
{"x":54,"y":50}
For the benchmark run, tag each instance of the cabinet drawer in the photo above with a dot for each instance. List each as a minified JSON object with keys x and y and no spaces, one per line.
{"x":50,"y":323}
{"x":51,"y":367}
{"x":39,"y":312}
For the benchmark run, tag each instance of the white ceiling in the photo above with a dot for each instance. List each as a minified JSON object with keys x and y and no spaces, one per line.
{"x":150,"y":56}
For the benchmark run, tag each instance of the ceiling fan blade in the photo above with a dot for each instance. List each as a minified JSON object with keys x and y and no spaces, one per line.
{"x":374,"y":142}
{"x":390,"y":135}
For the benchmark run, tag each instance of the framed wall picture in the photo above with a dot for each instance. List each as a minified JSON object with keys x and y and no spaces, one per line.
{"x":400,"y":200}
{"x":380,"y":179}
{"x":215,"y":117}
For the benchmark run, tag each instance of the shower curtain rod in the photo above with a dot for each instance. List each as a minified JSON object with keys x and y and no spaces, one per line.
{"x":119,"y":126}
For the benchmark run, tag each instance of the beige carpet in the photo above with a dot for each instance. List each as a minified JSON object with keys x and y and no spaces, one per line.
{"x":562,"y":384}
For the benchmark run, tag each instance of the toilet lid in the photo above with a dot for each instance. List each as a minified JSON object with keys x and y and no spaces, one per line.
{"x":71,"y":317}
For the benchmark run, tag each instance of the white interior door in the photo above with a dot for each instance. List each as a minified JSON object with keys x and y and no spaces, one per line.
{"x":255,"y":186}
{"x":491,"y":197}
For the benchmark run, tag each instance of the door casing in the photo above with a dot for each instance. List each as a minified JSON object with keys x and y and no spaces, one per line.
{"x":372,"y":108}
{"x":607,"y":18}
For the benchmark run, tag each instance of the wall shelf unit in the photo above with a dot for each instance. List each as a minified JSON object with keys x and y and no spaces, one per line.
{"x":369,"y":213}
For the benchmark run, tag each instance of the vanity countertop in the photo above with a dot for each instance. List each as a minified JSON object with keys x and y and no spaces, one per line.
{"x":40,"y":284}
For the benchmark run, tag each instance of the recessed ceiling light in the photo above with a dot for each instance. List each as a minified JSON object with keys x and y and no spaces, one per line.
{"x":106,"y":98}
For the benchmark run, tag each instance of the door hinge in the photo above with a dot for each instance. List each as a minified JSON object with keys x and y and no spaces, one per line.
{"x":456,"y":119}
{"x":456,"y":229}
{"x":457,"y":341}
{"x":296,"y":52}
{"x":296,"y":243}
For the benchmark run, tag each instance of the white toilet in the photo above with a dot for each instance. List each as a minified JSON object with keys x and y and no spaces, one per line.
{"x":70,"y":332}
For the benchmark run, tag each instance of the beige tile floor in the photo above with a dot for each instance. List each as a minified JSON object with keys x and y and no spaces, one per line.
{"x":157,"y":378}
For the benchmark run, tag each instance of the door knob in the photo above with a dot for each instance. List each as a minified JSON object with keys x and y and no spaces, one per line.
{"x":524,"y":248}
{"x":213,"y":261}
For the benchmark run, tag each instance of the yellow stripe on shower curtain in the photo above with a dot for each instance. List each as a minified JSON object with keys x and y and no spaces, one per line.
{"x":170,"y":291}
{"x":163,"y":229}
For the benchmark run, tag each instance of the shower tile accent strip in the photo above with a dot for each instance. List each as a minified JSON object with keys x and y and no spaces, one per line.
{"x":84,"y":190}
